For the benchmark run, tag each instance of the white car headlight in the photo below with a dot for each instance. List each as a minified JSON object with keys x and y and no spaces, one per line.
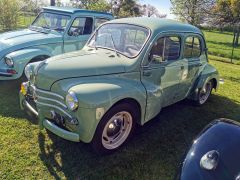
{"x":9,"y":61}
{"x":72,"y":101}
{"x":28,"y":71}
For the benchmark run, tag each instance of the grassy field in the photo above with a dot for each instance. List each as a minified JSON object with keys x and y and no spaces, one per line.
{"x":220,"y":44}
{"x":154,"y":152}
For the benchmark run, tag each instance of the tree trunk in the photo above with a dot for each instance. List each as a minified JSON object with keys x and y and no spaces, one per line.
{"x":53,"y":3}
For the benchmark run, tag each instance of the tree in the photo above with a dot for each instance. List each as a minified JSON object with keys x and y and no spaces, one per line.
{"x":152,"y":11}
{"x":9,"y":13}
{"x":52,"y":3}
{"x":228,"y":11}
{"x":125,"y":8}
{"x":98,"y":5}
{"x":192,"y":11}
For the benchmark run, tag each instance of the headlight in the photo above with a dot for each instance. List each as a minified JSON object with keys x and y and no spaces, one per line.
{"x":9,"y":61}
{"x":28,"y":71}
{"x":72,"y":101}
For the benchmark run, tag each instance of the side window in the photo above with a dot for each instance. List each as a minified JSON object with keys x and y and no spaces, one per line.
{"x":99,"y":21}
{"x":166,"y":48}
{"x":81,"y":26}
{"x":192,"y":47}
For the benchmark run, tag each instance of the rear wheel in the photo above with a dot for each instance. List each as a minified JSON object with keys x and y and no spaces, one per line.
{"x":204,"y":93}
{"x":115,"y":128}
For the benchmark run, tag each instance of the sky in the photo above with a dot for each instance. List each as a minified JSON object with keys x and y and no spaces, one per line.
{"x":163,"y":6}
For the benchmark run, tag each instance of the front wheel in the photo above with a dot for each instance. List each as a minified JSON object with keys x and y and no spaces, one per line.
{"x":204,"y":93}
{"x":115,"y":128}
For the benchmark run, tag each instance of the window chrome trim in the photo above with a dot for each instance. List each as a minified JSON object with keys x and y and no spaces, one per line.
{"x":53,"y":100}
{"x":53,"y":106}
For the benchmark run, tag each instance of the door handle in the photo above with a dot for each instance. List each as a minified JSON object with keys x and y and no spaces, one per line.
{"x":200,"y":64}
{"x":182,"y":67}
{"x":147,"y":73}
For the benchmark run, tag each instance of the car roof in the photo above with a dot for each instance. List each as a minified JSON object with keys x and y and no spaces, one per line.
{"x":159,"y":25}
{"x":71,"y":10}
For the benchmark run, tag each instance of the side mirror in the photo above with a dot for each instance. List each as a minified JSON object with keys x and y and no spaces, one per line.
{"x":205,"y":49}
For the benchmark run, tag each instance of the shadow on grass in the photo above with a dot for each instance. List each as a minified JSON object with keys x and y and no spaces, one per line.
{"x":9,"y":100}
{"x":154,"y":151}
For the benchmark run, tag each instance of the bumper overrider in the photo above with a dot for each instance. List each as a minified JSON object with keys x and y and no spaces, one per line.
{"x":51,"y":111}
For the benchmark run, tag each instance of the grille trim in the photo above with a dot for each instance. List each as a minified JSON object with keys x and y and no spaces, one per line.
{"x":49,"y":93}
{"x":53,"y":106}
{"x":53,"y":100}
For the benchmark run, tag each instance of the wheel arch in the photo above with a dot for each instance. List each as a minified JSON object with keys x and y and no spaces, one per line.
{"x":133,"y":102}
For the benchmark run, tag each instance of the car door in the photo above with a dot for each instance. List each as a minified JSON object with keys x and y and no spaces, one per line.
{"x":192,"y":54}
{"x":161,"y":75}
{"x":78,"y":33}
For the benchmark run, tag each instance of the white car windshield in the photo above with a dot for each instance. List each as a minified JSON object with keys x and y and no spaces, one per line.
{"x":52,"y":21}
{"x":123,"y":38}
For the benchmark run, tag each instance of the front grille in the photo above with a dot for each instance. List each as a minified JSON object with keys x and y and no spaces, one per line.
{"x":51,"y":100}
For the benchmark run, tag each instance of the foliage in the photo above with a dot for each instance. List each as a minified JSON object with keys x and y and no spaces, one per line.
{"x":151,"y":11}
{"x":9,"y":11}
{"x":98,"y":5}
{"x":228,"y":12}
{"x":192,"y":11}
{"x":154,"y":152}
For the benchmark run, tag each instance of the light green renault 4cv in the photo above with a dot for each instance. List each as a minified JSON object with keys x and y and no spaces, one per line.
{"x":127,"y":72}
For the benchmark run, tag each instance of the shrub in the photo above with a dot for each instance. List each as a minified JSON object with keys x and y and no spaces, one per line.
{"x":9,"y":11}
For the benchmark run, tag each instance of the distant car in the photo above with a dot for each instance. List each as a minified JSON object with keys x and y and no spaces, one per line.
{"x":127,"y":72}
{"x":214,"y":154}
{"x":56,"y":30}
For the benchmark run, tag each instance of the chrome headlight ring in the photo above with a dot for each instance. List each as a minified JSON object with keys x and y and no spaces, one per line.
{"x":71,"y":101}
{"x":9,"y":62}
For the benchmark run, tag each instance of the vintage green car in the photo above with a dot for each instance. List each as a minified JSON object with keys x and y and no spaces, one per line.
{"x":127,"y":72}
{"x":56,"y":30}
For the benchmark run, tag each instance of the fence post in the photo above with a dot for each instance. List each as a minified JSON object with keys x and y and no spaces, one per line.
{"x":233,"y":44}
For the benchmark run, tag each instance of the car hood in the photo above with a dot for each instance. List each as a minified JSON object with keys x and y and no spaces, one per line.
{"x":221,"y":135}
{"x":81,"y":63}
{"x":15,"y":40}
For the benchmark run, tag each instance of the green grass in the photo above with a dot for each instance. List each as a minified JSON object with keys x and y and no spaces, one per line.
{"x":220,"y":44}
{"x":153,"y":153}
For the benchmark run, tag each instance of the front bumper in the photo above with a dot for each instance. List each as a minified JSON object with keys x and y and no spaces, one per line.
{"x":46,"y":120}
{"x":7,"y":72}
{"x":60,"y":132}
{"x":25,"y":105}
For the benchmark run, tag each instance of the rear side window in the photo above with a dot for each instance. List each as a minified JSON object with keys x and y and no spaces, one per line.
{"x":81,"y":26}
{"x":166,"y":48}
{"x":192,"y":47}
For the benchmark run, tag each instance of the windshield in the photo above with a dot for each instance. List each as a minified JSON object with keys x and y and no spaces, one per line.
{"x":124,"y":38}
{"x":52,"y":21}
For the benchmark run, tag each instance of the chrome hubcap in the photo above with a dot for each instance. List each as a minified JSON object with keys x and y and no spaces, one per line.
{"x":205,"y":93}
{"x":117,"y":130}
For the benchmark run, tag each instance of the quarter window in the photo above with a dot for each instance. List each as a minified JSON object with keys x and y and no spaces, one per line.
{"x":192,"y":47}
{"x":166,"y":48}
{"x":81,"y":26}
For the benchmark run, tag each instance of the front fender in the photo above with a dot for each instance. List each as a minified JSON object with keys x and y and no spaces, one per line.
{"x":97,"y":95}
{"x":22,"y":57}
